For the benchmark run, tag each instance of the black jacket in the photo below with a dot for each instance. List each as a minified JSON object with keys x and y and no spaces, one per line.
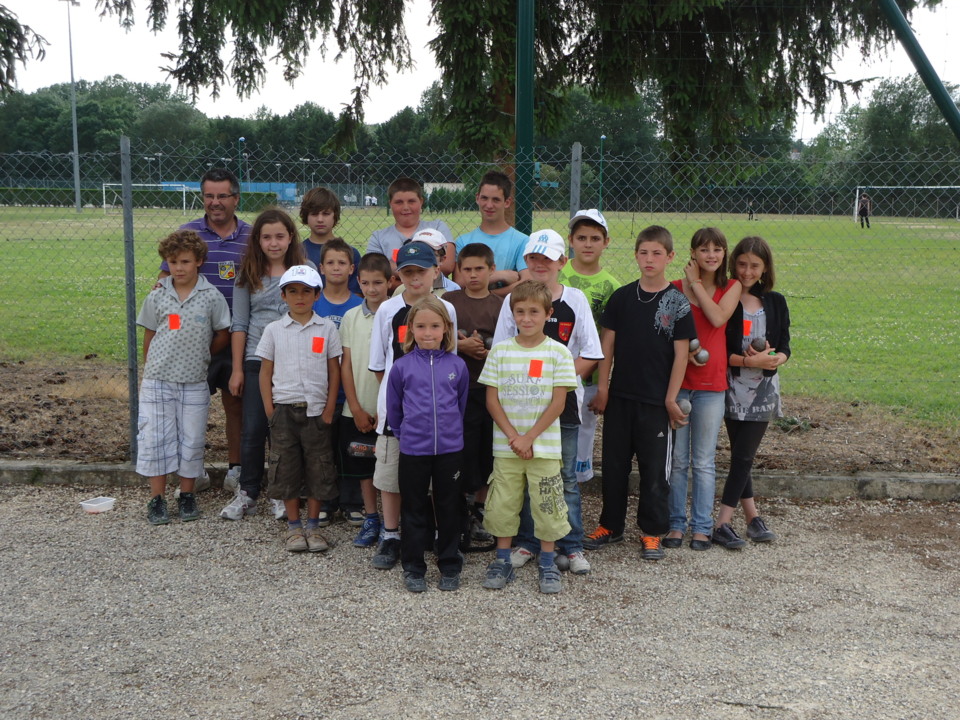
{"x":778,"y":327}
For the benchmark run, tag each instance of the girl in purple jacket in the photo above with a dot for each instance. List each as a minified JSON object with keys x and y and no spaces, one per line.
{"x":426,"y":398}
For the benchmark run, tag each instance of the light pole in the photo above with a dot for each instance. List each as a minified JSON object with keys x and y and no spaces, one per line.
{"x":240,"y":142}
{"x":73,"y":112}
{"x":278,"y":171}
{"x":600,"y":201}
{"x":159,"y":167}
{"x":348,"y":178}
{"x":149,"y":159}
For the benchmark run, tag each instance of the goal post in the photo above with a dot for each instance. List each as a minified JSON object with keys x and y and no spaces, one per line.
{"x":910,"y":200}
{"x":147,"y":195}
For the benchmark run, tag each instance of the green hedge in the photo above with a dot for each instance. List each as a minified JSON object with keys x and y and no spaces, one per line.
{"x":142,"y":198}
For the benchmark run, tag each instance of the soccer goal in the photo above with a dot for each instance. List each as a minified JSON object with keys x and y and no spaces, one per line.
{"x":166,"y":195}
{"x":910,"y":201}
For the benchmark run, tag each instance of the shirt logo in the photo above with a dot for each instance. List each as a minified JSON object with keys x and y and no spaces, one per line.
{"x":227,"y":270}
{"x":565,"y":331}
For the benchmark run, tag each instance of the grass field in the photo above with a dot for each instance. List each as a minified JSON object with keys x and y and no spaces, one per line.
{"x":874,"y":312}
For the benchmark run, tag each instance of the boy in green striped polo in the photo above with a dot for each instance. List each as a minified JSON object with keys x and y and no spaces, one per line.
{"x":527,"y":378}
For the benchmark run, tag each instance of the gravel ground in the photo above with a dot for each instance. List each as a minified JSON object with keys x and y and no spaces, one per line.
{"x":852,"y":614}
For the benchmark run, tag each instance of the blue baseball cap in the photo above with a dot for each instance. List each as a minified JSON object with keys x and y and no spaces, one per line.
{"x":416,"y":253}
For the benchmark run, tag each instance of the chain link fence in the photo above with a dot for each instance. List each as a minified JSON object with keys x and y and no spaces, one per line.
{"x":873,"y":309}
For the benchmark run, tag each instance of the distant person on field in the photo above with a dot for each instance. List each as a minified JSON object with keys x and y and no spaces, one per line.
{"x":588,"y":239}
{"x":406,"y":198}
{"x":507,"y":243}
{"x":864,"y":209}
{"x":750,"y":210}
{"x":320,"y":212}
{"x":185,"y":322}
{"x":273,"y":248}
{"x":226,"y":237}
{"x":299,"y":379}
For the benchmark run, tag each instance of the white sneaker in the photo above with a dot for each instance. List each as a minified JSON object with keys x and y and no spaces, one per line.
{"x":579,"y":565}
{"x":199,"y":485}
{"x":231,"y":481}
{"x":241,"y":505}
{"x":279,"y":509}
{"x":520,"y":556}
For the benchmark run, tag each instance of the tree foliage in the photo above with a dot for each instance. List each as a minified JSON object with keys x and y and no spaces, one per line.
{"x":18,"y":43}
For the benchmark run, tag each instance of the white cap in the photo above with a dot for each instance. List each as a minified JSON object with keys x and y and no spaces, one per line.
{"x":592,"y":215}
{"x":546,"y":242}
{"x":433,"y":238}
{"x":303,"y":274}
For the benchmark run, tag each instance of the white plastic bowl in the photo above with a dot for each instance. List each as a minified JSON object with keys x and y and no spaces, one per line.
{"x":98,"y":504}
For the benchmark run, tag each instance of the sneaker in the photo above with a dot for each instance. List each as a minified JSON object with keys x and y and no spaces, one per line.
{"x":295,"y":540}
{"x":600,"y":537}
{"x":520,"y":557}
{"x":279,"y":508}
{"x":316,"y":542}
{"x":414,"y":583}
{"x":651,"y":548}
{"x":550,"y":580}
{"x":499,"y":573}
{"x":242,"y":504}
{"x":231,"y":481}
{"x":324,"y":518}
{"x":449,"y":582}
{"x":388,"y":554}
{"x":354,"y":517}
{"x":758,"y":531}
{"x":187,"y":504}
{"x":725,"y":535}
{"x":199,"y":485}
{"x":478,"y":533}
{"x":369,"y":532}
{"x":157,"y":511}
{"x":578,"y":564}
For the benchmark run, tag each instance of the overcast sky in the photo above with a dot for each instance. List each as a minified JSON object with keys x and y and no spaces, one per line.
{"x":101,"y":48}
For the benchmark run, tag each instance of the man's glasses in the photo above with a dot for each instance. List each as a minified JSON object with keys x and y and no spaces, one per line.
{"x":221,"y":197}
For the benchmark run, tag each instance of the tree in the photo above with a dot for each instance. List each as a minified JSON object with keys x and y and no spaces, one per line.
{"x":728,"y":65}
{"x":18,"y":43}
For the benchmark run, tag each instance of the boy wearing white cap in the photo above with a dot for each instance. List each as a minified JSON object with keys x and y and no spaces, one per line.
{"x":571,"y":324}
{"x":299,"y":379}
{"x":588,"y":239}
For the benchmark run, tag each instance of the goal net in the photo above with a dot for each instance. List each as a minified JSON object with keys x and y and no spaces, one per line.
{"x":910,"y":201}
{"x":172,"y":196}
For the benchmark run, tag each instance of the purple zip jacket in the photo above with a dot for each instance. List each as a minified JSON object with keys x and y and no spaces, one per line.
{"x":426,"y":399}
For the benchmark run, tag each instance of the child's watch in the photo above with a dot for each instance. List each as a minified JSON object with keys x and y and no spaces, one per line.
{"x":499,"y":284}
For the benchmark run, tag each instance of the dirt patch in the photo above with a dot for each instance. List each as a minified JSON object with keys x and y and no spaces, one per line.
{"x":79,"y":412}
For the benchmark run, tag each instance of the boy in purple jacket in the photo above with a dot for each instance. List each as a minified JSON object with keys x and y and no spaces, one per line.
{"x":426,"y":399}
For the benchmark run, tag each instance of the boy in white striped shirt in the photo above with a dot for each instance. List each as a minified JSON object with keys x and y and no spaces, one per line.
{"x":527,"y":378}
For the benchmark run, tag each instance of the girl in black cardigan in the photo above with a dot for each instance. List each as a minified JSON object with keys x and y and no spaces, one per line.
{"x":753,"y":398}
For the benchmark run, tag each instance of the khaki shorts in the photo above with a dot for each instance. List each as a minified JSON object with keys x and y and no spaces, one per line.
{"x":301,"y":457}
{"x":541,"y":478}
{"x":385,"y":474}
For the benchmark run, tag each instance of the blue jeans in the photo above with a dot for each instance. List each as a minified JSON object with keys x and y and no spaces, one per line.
{"x":573,"y":541}
{"x":696,"y":441}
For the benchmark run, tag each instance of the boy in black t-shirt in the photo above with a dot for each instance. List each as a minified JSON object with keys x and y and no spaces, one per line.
{"x":646,"y":331}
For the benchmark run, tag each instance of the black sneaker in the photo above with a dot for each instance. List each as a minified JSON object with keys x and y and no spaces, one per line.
{"x":157,"y":511}
{"x":388,"y":554}
{"x":449,"y":582}
{"x":414,"y":583}
{"x":650,"y":548}
{"x":727,"y":536}
{"x":600,"y":537}
{"x":758,"y":531}
{"x":187,"y":503}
